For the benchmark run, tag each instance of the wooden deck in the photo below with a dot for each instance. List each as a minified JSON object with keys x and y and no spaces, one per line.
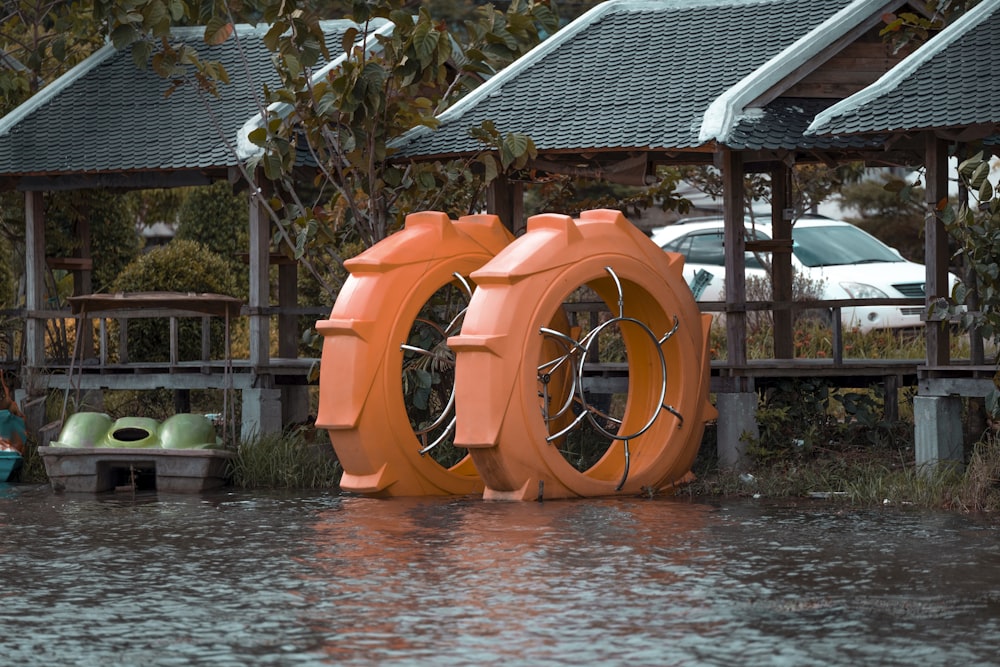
{"x":108,"y":366}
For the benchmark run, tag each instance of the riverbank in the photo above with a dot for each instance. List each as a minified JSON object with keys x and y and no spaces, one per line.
{"x":860,"y":475}
{"x":843,"y":455}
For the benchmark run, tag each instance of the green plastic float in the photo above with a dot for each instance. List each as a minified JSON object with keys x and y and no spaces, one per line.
{"x":97,"y":430}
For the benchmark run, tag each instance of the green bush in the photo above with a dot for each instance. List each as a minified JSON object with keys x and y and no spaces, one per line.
{"x":114,"y":242}
{"x":218,"y":218}
{"x":179,"y":266}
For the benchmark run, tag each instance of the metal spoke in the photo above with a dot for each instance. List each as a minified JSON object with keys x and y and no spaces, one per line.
{"x":576,"y":354}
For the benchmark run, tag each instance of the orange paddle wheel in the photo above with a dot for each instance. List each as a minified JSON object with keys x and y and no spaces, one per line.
{"x":514,"y":424}
{"x":386,"y":377}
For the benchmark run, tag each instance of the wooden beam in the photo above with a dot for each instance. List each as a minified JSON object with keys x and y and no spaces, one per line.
{"x":128,"y":181}
{"x":731,"y":163}
{"x":936,"y":246}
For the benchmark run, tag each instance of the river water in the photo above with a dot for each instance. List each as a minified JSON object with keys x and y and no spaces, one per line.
{"x":265,"y":578}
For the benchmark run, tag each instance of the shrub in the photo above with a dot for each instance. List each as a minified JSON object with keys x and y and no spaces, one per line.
{"x":179,"y":266}
{"x":113,"y":237}
{"x":218,"y":218}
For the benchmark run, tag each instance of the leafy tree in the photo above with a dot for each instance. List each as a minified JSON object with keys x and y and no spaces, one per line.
{"x":39,"y":40}
{"x":890,"y":209}
{"x":345,"y":122}
{"x":908,"y":30}
{"x":217,"y":217}
{"x":975,"y":226}
{"x":811,"y":185}
{"x":113,"y":241}
{"x":382,"y":91}
{"x":570,"y":195}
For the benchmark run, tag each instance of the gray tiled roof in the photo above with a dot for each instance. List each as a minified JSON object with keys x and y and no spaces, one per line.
{"x":781,"y":124}
{"x":632,"y":74}
{"x":106,"y":115}
{"x":964,"y":57}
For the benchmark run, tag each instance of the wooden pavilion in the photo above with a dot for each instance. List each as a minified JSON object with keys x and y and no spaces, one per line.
{"x":107,"y":124}
{"x":629,"y":86}
{"x":634,"y":84}
{"x":937,"y":95}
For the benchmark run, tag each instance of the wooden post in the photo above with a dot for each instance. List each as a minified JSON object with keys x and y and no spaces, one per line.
{"x":294,"y":398}
{"x":261,"y":402}
{"x":288,"y":297}
{"x":260,"y":292}
{"x":733,"y":240}
{"x":936,"y":247}
{"x":781,"y":260}
{"x":83,"y":285}
{"x":34,"y":265}
{"x":506,"y":200}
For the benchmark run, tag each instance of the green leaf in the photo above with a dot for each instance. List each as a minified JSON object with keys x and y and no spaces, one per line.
{"x":140,"y":54}
{"x":426,"y":180}
{"x":326,"y":105}
{"x":311,"y":51}
{"x":425,"y":41}
{"x":421,"y":398}
{"x":272,"y":38}
{"x":980,"y":173}
{"x":272,"y":166}
{"x":123,"y":35}
{"x":217,"y":31}
{"x":491,"y":170}
{"x":985,"y":190}
{"x":177,"y":10}
{"x":258,"y":136}
{"x":968,"y":166}
{"x":515,"y":149}
{"x":392,"y":176}
{"x":155,"y":13}
{"x":292,"y":64}
{"x":347,"y":41}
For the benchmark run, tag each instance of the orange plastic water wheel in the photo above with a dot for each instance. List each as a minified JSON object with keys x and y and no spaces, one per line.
{"x":374,"y":369}
{"x":504,"y":357}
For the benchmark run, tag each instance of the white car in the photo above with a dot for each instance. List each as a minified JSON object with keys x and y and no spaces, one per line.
{"x":844,"y":262}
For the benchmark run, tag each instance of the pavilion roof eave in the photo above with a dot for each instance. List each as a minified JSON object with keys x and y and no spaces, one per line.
{"x":125,"y":180}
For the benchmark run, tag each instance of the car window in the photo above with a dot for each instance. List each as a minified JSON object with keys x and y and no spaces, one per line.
{"x":707,"y":247}
{"x":838,"y":245}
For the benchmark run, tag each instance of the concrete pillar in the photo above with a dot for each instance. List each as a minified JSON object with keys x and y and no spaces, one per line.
{"x":294,"y":404}
{"x":737,"y":426}
{"x":261,"y":413}
{"x":937,"y":425}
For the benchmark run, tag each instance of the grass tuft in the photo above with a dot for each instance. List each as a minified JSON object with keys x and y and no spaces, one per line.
{"x":285,"y":461}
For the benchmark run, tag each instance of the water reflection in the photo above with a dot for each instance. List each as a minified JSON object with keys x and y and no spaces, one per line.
{"x":320,"y":579}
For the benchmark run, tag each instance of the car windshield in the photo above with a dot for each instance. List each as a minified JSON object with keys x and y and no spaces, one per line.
{"x":836,"y":245}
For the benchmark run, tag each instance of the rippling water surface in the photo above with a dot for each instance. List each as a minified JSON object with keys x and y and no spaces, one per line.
{"x":320,"y":579}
